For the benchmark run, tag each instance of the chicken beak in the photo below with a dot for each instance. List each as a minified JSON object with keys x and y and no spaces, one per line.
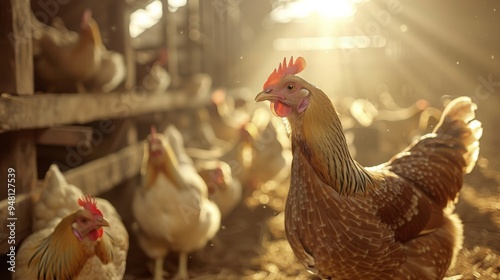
{"x":102,"y":223}
{"x":265,"y":96}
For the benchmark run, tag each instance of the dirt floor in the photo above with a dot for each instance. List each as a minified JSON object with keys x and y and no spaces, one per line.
{"x":251,"y":243}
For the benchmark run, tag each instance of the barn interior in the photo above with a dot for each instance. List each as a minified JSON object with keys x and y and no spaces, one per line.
{"x":389,"y":67}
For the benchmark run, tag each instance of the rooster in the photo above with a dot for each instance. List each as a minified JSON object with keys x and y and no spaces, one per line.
{"x":72,"y":243}
{"x":392,"y":221}
{"x":171,"y":207}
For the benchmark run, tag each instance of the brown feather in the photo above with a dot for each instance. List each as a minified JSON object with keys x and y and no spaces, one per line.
{"x":103,"y":248}
{"x":390,"y":221}
{"x":61,"y":255}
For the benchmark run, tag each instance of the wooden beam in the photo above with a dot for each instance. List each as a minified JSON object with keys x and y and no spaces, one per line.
{"x":65,"y":136}
{"x":46,"y":110}
{"x":105,"y":173}
{"x":123,"y":135}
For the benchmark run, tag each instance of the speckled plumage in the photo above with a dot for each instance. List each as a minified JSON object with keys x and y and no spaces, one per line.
{"x":392,"y":221}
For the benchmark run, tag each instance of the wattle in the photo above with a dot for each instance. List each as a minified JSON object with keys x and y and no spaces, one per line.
{"x":95,"y":234}
{"x":280,"y":109}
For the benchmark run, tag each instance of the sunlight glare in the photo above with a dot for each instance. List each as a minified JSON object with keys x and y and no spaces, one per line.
{"x":330,"y":9}
{"x":173,"y":5}
{"x":333,"y":8}
{"x":143,"y":19}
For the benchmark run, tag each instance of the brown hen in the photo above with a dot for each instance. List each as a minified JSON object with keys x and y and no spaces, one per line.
{"x":392,"y":221}
{"x":66,"y":60}
{"x":74,"y":236}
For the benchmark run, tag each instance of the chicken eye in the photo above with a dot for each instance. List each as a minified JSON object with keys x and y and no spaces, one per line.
{"x":290,"y":87}
{"x":84,"y":220}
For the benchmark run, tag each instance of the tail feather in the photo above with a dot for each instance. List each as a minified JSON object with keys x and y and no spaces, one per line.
{"x":458,"y":120}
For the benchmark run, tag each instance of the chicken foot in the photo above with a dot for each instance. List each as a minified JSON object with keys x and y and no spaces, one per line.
{"x":157,"y":269}
{"x":182,"y":272}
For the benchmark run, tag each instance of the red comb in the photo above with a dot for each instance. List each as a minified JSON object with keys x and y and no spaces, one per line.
{"x":284,"y":70}
{"x":163,"y":56}
{"x":86,"y":16}
{"x":88,"y":203}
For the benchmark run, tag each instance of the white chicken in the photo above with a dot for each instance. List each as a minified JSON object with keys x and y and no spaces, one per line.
{"x":109,"y":75}
{"x":223,"y":188}
{"x":171,"y":207}
{"x":68,"y":239}
{"x":151,"y":75}
{"x":225,"y":119}
{"x":271,"y":156}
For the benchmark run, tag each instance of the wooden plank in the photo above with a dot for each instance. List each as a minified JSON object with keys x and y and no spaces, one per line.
{"x":16,"y":73}
{"x":103,"y":174}
{"x":95,"y":177}
{"x":108,"y":136}
{"x":22,"y":222}
{"x":123,"y":135}
{"x":65,"y":136}
{"x":46,"y":110}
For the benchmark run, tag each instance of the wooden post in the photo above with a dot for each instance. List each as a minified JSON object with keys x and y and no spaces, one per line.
{"x":195,"y":37}
{"x":170,"y":25}
{"x":120,"y":15}
{"x":16,"y":58}
{"x":18,"y":151}
{"x":18,"y":159}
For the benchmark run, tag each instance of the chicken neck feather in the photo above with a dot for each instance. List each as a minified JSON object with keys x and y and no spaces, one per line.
{"x":168,"y":165}
{"x":318,"y":134}
{"x":61,"y":255}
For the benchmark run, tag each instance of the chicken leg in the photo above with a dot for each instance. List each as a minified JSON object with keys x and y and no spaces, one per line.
{"x":159,"y":274}
{"x":182,"y":272}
